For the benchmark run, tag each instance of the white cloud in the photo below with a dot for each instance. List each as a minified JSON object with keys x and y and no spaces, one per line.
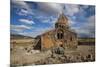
{"x":91,"y":21}
{"x":20,"y":3}
{"x":46,"y":21}
{"x":43,"y":19}
{"x":24,"y":7}
{"x":85,"y":7}
{"x":19,"y":28}
{"x":71,"y":22}
{"x":27,"y":21}
{"x":50,"y":7}
{"x":39,"y":31}
{"x":57,"y":8}
{"x":87,"y":28}
{"x":71,"y":9}
{"x":23,"y":12}
{"x":36,"y":31}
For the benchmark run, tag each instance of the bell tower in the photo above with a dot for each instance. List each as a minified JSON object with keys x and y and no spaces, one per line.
{"x":61,"y":25}
{"x":62,"y":22}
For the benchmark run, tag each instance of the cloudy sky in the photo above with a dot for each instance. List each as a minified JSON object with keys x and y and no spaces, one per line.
{"x":34,"y":18}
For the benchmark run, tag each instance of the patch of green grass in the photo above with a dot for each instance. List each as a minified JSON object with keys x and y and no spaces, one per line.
{"x":86,"y":39}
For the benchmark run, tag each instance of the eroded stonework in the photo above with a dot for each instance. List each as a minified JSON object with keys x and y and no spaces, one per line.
{"x":61,"y":36}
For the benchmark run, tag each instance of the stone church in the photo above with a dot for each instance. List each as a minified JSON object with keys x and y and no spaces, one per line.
{"x":61,"y":36}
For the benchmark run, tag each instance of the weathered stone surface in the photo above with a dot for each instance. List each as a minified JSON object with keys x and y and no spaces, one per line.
{"x":62,"y":36}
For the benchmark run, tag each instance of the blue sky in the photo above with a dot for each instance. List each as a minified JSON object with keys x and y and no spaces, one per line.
{"x":34,"y":18}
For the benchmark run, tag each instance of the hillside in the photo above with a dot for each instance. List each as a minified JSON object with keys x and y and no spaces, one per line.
{"x":16,"y":36}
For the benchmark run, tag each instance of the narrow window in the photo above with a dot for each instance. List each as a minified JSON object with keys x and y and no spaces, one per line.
{"x":60,"y":35}
{"x":71,"y":39}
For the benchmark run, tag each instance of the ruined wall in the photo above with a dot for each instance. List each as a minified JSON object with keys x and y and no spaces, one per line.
{"x":71,"y":40}
{"x":49,"y":40}
{"x":46,"y":41}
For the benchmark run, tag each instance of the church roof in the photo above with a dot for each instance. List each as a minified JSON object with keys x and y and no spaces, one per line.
{"x":62,"y":19}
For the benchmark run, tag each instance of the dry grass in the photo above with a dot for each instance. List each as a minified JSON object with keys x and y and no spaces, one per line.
{"x":22,"y":53}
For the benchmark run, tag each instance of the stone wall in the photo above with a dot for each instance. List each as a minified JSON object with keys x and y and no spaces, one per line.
{"x":49,"y":40}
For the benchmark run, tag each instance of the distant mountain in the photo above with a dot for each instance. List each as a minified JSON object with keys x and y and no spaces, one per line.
{"x":17,"y":36}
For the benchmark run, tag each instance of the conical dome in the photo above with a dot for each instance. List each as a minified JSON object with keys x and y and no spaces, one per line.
{"x":62,"y":22}
{"x":63,"y":19}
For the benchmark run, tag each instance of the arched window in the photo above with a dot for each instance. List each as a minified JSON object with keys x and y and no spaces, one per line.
{"x":60,"y":35}
{"x":71,"y":38}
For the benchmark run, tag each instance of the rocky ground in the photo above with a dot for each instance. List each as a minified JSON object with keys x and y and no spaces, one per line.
{"x":82,"y":54}
{"x":29,"y":56}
